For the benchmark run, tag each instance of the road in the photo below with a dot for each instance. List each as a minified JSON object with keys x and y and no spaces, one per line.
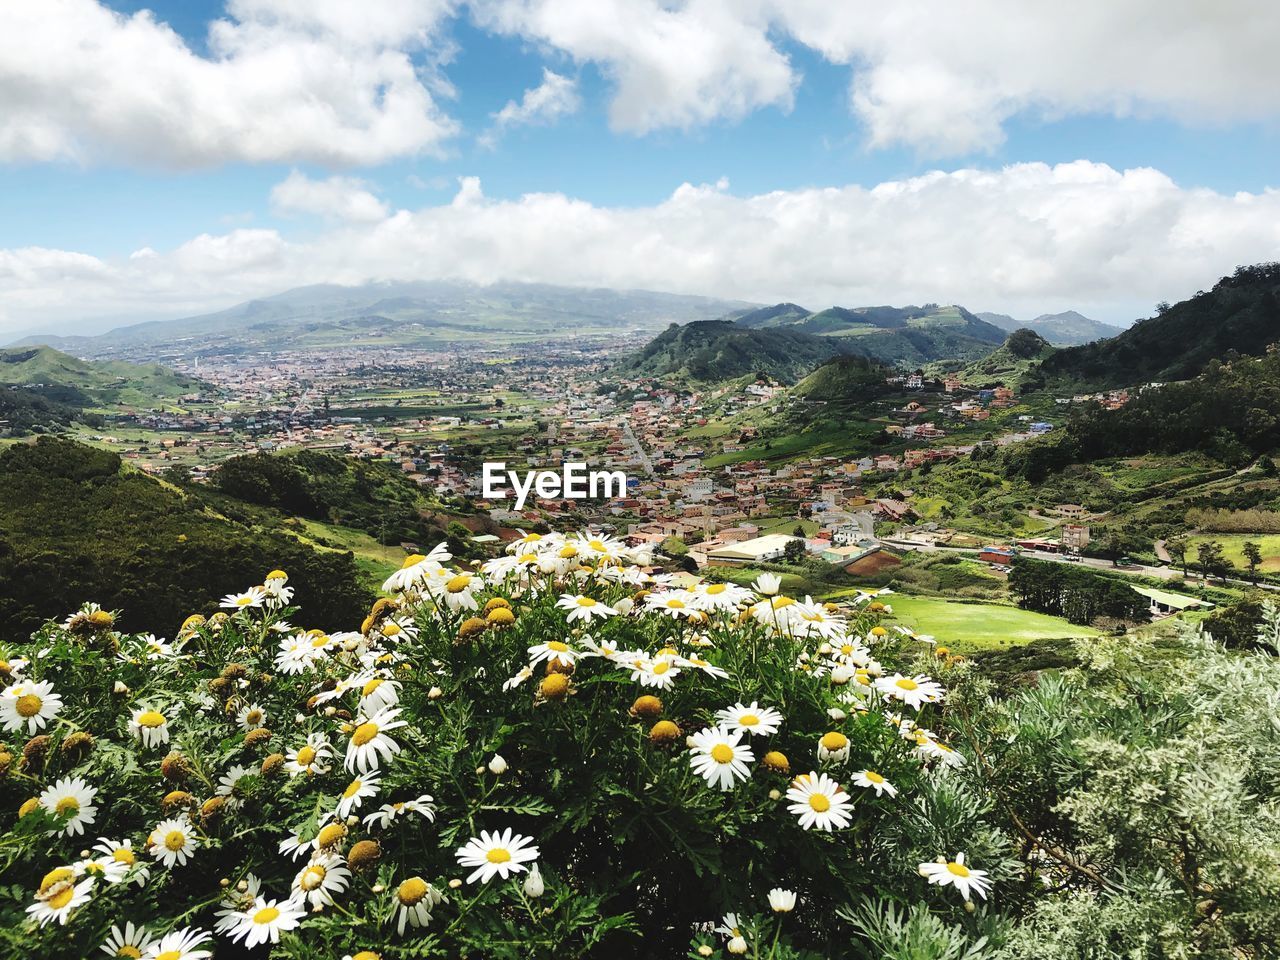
{"x":643,"y":457}
{"x":1134,"y":570}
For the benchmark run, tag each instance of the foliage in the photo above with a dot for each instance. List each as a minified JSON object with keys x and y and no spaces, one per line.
{"x":1076,"y":593}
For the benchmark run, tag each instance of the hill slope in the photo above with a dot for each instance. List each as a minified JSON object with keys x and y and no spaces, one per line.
{"x":404,"y":314}
{"x":1009,"y":362}
{"x":843,"y":380}
{"x":1241,"y":314}
{"x":906,"y":336}
{"x":710,"y":351}
{"x":1067,"y":329}
{"x":100,"y":381}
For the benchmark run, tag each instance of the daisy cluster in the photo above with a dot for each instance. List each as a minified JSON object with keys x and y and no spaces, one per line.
{"x":290,"y":760}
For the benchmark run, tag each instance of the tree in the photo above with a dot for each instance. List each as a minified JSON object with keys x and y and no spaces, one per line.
{"x":798,"y":531}
{"x":1209,"y":554}
{"x":1253,"y":556}
{"x":794,"y":551}
{"x":1177,"y":549}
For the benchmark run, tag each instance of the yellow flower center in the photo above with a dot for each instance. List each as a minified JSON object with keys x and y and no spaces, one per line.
{"x":586,"y":602}
{"x":906,"y":683}
{"x":62,"y":897}
{"x":170,"y":955}
{"x":675,"y":603}
{"x":873,"y":776}
{"x":352,"y":789}
{"x":715,"y":588}
{"x":244,"y":601}
{"x":781,"y":603}
{"x":151,"y":718}
{"x":329,"y":835}
{"x":412,"y":891}
{"x":306,"y":755}
{"x":959,"y":869}
{"x":557,"y":646}
{"x":411,"y":559}
{"x":124,"y":855}
{"x":498,"y":855}
{"x":28,"y":705}
{"x":568,"y":552}
{"x":319,"y":640}
{"x":312,"y":877}
{"x":661,"y":667}
{"x":459,"y":583}
{"x":253,"y":716}
{"x":68,"y":805}
{"x":820,"y":803}
{"x":722,"y":753}
{"x":835,"y":740}
{"x":748,"y":720}
{"x":364,"y":733}
{"x":266,"y":915}
{"x":55,"y":876}
{"x":371,"y":686}
{"x":391,"y":629}
{"x":129,"y":950}
{"x":175,"y":840}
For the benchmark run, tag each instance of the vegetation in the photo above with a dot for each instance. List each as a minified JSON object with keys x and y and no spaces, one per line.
{"x":1076,"y":593}
{"x":98,"y":382}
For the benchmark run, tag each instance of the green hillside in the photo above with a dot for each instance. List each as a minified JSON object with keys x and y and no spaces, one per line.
{"x":1010,"y":362}
{"x":76,"y":524}
{"x":711,"y":351}
{"x":1067,"y":329}
{"x":1240,"y":315}
{"x":843,"y":380}
{"x":908,"y":336}
{"x":102,"y":382}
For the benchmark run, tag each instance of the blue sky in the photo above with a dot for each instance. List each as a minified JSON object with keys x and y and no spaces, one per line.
{"x":791,"y":126}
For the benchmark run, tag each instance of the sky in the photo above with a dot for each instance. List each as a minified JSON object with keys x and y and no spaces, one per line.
{"x":173,"y":158}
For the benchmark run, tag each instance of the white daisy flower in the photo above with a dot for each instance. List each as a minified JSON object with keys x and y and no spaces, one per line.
{"x":660,"y":672}
{"x":30,"y":703}
{"x":718,"y":756}
{"x":673,"y":603}
{"x":369,"y":743}
{"x":311,"y":758}
{"x":71,"y":797}
{"x":388,"y":812}
{"x":149,"y":726}
{"x":731,"y":929}
{"x":183,"y":944}
{"x":915,"y":691}
{"x":782,"y":901}
{"x":496,"y":854}
{"x":122,"y":852}
{"x":819,"y":802}
{"x":706,"y":666}
{"x":59,"y":893}
{"x":767,"y":584}
{"x":172,"y":842}
{"x":870,"y":780}
{"x":265,"y":920}
{"x":229,"y":782}
{"x":954,"y":873}
{"x":251,"y":717}
{"x":357,"y":791}
{"x":552,"y":650}
{"x":415,"y":899}
{"x":756,"y":720}
{"x":521,"y":675}
{"x":322,"y":878}
{"x":132,"y":941}
{"x":253,"y":597}
{"x":721,"y":596}
{"x":833,"y":747}
{"x":584,"y":608}
{"x":103,"y":867}
{"x":377,"y":692}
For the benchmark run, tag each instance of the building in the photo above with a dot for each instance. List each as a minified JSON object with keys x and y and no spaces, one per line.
{"x":1165,"y":604}
{"x":1003,"y":555}
{"x":758,"y":550}
{"x":1075,"y":537}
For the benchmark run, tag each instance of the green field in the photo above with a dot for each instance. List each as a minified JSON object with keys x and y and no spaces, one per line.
{"x":1232,"y":543}
{"x":972,"y":627}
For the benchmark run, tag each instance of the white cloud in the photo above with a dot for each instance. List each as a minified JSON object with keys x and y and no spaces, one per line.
{"x":1024,"y":239}
{"x":286,"y":80}
{"x":555,"y":97}
{"x":934,"y":74}
{"x":335,"y":198}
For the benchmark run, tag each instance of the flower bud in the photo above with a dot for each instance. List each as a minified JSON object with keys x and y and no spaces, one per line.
{"x":497,"y":766}
{"x":533,"y":885}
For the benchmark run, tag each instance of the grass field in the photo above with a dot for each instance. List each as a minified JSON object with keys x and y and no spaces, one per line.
{"x":972,"y":627}
{"x":1269,"y":543}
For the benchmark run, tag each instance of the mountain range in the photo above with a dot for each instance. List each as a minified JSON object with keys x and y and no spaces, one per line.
{"x":94,"y":382}
{"x":1067,"y":329}
{"x":400,"y":314}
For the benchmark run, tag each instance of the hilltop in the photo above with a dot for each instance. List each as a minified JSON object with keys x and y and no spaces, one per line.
{"x":843,"y":380}
{"x":904,"y":336}
{"x":89,"y":383}
{"x":394,"y":314}
{"x":1239,"y":316}
{"x":1010,"y":362}
{"x":1067,"y":329}
{"x":711,"y":351}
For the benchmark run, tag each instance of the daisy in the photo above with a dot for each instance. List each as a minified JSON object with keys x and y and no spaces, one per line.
{"x":660,"y":672}
{"x":253,"y":597}
{"x":71,"y":797}
{"x":732,"y":931}
{"x":129,"y":942}
{"x":705,"y":666}
{"x":782,"y":901}
{"x":929,"y":748}
{"x":156,"y":648}
{"x":369,"y":741}
{"x":552,"y":650}
{"x":415,"y":899}
{"x":58,"y":895}
{"x":494,"y":854}
{"x":251,"y":717}
{"x":606,"y":649}
{"x":833,"y":746}
{"x":123,"y":852}
{"x":719,"y":757}
{"x":415,"y":569}
{"x":229,"y":782}
{"x":814,"y":620}
{"x":104,"y":868}
{"x":181,"y":944}
{"x":756,"y":720}
{"x":384,"y":815}
{"x":915,"y":691}
{"x":819,"y":802}
{"x":584,"y":608}
{"x":870,"y":780}
{"x":954,"y":873}
{"x":264,"y":921}
{"x":673,"y":603}
{"x":459,"y":591}
{"x":357,"y":791}
{"x":521,"y":675}
{"x":311,"y":758}
{"x":377,"y":693}
{"x":297,"y":654}
{"x":150,"y":726}
{"x":767,"y":584}
{"x":30,"y":703}
{"x":172,"y":842}
{"x":721,"y":596}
